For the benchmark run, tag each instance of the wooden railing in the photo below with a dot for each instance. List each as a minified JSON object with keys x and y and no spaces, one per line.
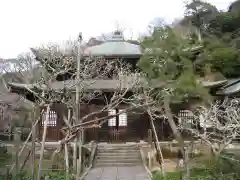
{"x":92,"y":156}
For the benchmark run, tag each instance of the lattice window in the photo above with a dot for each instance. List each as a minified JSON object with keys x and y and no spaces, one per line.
{"x":186,"y":118}
{"x":52,"y":121}
{"x":112,"y":121}
{"x":122,"y":118}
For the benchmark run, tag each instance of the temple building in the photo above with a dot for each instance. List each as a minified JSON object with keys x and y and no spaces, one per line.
{"x":124,"y":127}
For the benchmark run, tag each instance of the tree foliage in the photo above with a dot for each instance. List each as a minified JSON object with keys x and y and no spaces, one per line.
{"x":220,"y":34}
{"x":199,"y":13}
{"x":167,"y":57}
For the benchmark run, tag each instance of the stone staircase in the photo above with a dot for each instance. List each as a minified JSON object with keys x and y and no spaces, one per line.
{"x":117,"y":155}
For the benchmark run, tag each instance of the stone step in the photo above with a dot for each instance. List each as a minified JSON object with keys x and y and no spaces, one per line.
{"x":111,"y":164}
{"x":117,"y":144}
{"x":132,"y":160}
{"x":118,"y":150}
{"x":118,"y":147}
{"x":118,"y":160}
{"x":118,"y":155}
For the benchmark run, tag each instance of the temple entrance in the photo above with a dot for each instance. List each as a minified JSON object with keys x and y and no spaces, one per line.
{"x":117,"y":126}
{"x":53,"y":131}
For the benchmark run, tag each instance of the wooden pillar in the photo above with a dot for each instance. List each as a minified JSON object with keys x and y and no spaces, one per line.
{"x":17,"y":140}
{"x":10,"y":128}
{"x":34,"y":117}
{"x":149,"y":160}
{"x":95,"y":132}
{"x":75,"y":155}
{"x":6,"y":176}
{"x":150,"y":137}
{"x":162,"y":130}
{"x":37,"y":128}
{"x":58,"y":110}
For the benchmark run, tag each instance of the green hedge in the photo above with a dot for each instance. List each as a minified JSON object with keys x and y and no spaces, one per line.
{"x":226,"y":167}
{"x":196,"y":174}
{"x":24,"y":176}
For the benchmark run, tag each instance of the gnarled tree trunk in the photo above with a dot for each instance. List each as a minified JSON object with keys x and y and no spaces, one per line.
{"x":177,"y":135}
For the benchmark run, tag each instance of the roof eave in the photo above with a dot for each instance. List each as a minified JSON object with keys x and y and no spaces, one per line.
{"x":114,"y":55}
{"x":208,"y":84}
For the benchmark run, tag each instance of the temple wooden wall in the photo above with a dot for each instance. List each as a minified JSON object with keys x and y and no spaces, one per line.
{"x":134,"y":128}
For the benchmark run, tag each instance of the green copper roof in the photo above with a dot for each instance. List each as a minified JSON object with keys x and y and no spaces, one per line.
{"x":231,"y":82}
{"x":213,"y":83}
{"x":232,"y":87}
{"x":116,"y":46}
{"x":230,"y":90}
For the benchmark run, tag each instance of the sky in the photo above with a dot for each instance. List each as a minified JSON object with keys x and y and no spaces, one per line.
{"x":31,"y":23}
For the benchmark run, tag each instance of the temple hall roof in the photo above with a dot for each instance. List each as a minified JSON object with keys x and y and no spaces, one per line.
{"x":115,"y":46}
